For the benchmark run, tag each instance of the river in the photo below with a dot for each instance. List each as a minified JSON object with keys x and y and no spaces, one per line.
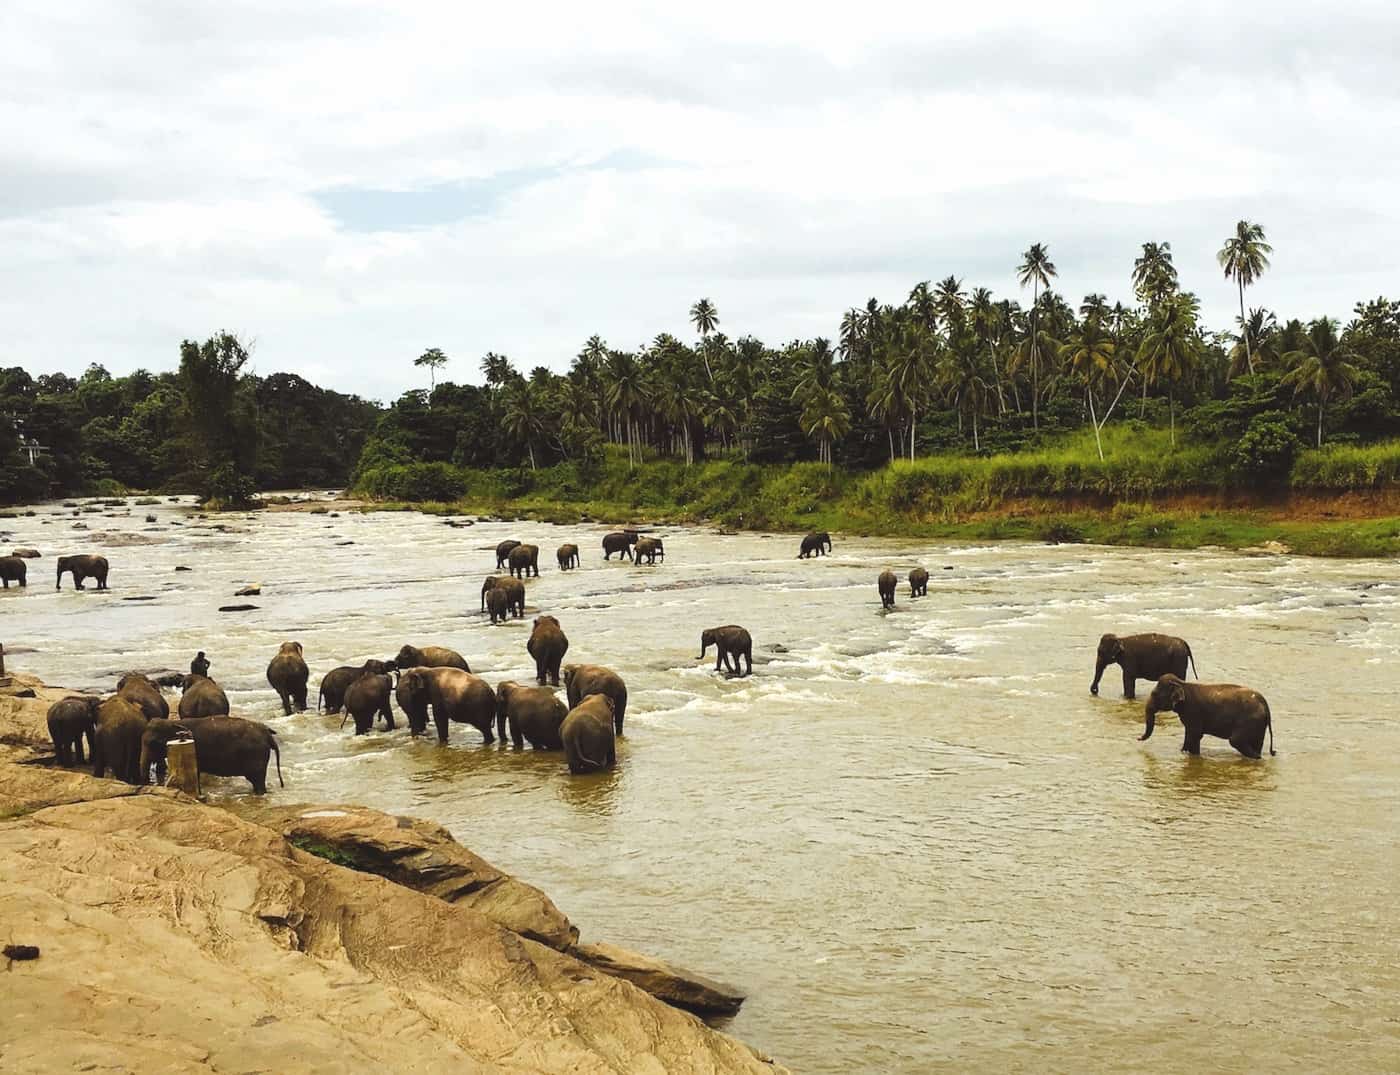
{"x":913,"y":837}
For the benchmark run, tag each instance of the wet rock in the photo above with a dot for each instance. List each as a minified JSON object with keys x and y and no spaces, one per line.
{"x":182,"y":567}
{"x":947,"y":567}
{"x":150,"y":518}
{"x":249,"y":591}
{"x":144,"y":597}
{"x":777,"y":647}
{"x":345,"y":543}
{"x":423,"y":856}
{"x":122,"y":539}
{"x":26,"y":554}
{"x":237,"y":608}
{"x":675,"y":985}
{"x":145,"y":501}
{"x":79,"y":526}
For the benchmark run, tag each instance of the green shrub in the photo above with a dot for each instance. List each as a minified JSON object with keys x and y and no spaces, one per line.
{"x":1266,"y":451}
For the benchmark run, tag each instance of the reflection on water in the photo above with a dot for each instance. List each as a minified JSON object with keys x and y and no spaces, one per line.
{"x":915,"y":838}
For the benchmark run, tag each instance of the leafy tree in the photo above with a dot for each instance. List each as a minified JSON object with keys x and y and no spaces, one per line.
{"x":434,"y":359}
{"x":1322,"y":367}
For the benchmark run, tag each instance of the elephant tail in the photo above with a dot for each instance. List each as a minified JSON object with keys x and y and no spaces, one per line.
{"x":1192,"y":658}
{"x":276,"y":753}
{"x":320,"y":697}
{"x":1269,"y":723}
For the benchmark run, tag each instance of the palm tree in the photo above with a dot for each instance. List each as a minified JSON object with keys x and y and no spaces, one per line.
{"x":924,"y":306}
{"x":1322,"y":366}
{"x":951,"y":301}
{"x":1089,"y":358}
{"x":826,"y":417}
{"x":1245,"y":256}
{"x":1261,"y":327}
{"x":988,"y":325}
{"x":1171,"y":350}
{"x":1154,"y":275}
{"x":434,"y":359}
{"x":625,"y":397}
{"x":1036,"y":269}
{"x":705,"y":318}
{"x":497,"y":369}
{"x":1095,"y":306}
{"x":521,"y":416}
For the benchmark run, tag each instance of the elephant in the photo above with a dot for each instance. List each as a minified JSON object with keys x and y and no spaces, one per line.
{"x":202,"y":697}
{"x":367,"y":696}
{"x":117,"y":743}
{"x":567,"y":557}
{"x":200,"y":665}
{"x":525,"y":561}
{"x":581,"y":680}
{"x":14,"y":569}
{"x":731,"y":643}
{"x":649,"y":547}
{"x":547,"y":645}
{"x":337,"y":681}
{"x":887,"y":582}
{"x":430,"y":657}
{"x":1235,"y":713}
{"x":1148,"y":656}
{"x":223,"y":746}
{"x":815,"y":544}
{"x":288,"y":675}
{"x":454,"y":696}
{"x":587,"y":732}
{"x":515,"y":596}
{"x":619,"y":541}
{"x":503,"y":551}
{"x":70,"y":720}
{"x":83,"y":567}
{"x":144,"y":694}
{"x":918,"y":582}
{"x":487,"y":585}
{"x":534,"y":713}
{"x":498,"y":602}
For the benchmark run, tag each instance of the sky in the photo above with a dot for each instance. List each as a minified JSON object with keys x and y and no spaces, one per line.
{"x":348,"y":184}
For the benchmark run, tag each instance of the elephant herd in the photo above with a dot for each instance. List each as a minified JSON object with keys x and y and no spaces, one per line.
{"x":13,"y":568}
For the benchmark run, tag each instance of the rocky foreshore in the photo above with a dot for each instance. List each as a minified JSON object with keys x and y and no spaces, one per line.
{"x":173,"y":935}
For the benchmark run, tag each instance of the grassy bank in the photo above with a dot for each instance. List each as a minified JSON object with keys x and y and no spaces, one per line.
{"x":1337,"y":502}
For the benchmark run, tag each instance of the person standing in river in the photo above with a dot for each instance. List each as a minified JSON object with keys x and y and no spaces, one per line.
{"x":200,"y":665}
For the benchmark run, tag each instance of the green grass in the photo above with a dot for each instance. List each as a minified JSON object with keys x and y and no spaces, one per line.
{"x":1061,"y":493}
{"x":326,"y":851}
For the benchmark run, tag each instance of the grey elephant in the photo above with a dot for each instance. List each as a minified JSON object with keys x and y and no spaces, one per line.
{"x":13,"y":569}
{"x":498,"y":604}
{"x":620,"y":542}
{"x":815,"y":544}
{"x":1224,"y":710}
{"x":430,"y":657}
{"x":567,"y":555}
{"x":503,"y":552}
{"x":453,"y":695}
{"x":368,"y":696}
{"x":547,"y":645}
{"x":887,"y":581}
{"x":487,"y":585}
{"x":202,"y":697}
{"x":83,"y":567}
{"x":288,"y":674}
{"x":336,"y":682}
{"x":1149,"y":656}
{"x":587,"y":732}
{"x":581,"y":680}
{"x":223,"y":746}
{"x":117,"y":742}
{"x":71,"y":720}
{"x":731,"y":642}
{"x":525,"y":561}
{"x":142,"y":692}
{"x":918,"y":582}
{"x":533,"y":713}
{"x":649,"y":547}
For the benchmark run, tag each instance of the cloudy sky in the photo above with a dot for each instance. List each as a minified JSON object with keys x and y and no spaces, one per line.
{"x":351,"y":183}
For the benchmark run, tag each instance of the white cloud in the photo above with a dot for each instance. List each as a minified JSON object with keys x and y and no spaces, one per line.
{"x":162,"y":166}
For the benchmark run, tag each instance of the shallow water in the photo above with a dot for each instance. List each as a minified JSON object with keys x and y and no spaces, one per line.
{"x":914,"y":838}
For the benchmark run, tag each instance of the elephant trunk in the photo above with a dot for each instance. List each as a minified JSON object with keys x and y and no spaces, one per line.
{"x":1150,"y":715}
{"x":1099,"y":666}
{"x":703,"y":647}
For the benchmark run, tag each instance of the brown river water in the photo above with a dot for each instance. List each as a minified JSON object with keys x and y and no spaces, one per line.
{"x":914,"y":838}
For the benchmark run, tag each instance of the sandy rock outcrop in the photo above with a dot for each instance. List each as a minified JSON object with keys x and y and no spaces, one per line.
{"x":675,"y":985}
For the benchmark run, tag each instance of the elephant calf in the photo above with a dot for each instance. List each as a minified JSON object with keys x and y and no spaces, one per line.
{"x":567,"y":557}
{"x":72,"y":720}
{"x":649,"y":547}
{"x":503,"y":551}
{"x":918,"y":582}
{"x":498,"y":604}
{"x":1223,"y":710}
{"x":13,"y":569}
{"x":288,"y":675}
{"x":547,"y":646}
{"x":534,"y":713}
{"x":581,"y":680}
{"x":816,"y":544}
{"x":223,"y":746}
{"x":1149,"y":656}
{"x":367,"y":696}
{"x":887,"y":581}
{"x":587,"y":732}
{"x":202,"y":697}
{"x":731,"y":643}
{"x":337,"y":681}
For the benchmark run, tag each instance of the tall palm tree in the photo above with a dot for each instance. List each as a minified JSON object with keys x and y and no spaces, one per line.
{"x":625,"y":397}
{"x":1088,"y":356}
{"x":705,"y":318}
{"x":988,"y":325}
{"x":951,"y":302}
{"x":1322,"y":366}
{"x":826,"y":417}
{"x":1035,"y":269}
{"x":434,"y":359}
{"x":1245,"y":256}
{"x":521,"y":417}
{"x":923,"y":305}
{"x":497,"y":369}
{"x":1154,"y":275}
{"x":1095,"y":306}
{"x":1171,"y":351}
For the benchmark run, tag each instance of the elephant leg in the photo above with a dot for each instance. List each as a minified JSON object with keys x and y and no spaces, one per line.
{"x":1191,"y":744}
{"x":1129,"y":683}
{"x":1249,"y":741}
{"x":440,"y":719}
{"x":515,"y":734}
{"x":748,"y":657}
{"x":388,"y":715}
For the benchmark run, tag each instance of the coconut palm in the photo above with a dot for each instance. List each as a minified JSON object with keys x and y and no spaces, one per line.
{"x":1171,"y":351}
{"x":826,"y":417}
{"x":705,"y":318}
{"x":1095,"y":306}
{"x":1322,"y":366}
{"x":1154,"y":275}
{"x":951,"y":302}
{"x":1261,"y":328}
{"x":988,"y":325}
{"x":1035,"y":269}
{"x":1088,"y":358}
{"x":1245,"y":256}
{"x":923,"y":305}
{"x":521,"y":417}
{"x":625,"y":397}
{"x":497,"y":369}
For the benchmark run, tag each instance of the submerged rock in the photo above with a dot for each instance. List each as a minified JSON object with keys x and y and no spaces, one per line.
{"x":238,"y":608}
{"x":249,"y":591}
{"x":26,"y":554}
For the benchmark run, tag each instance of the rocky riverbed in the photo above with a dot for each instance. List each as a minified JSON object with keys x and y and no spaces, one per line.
{"x":175,"y":935}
